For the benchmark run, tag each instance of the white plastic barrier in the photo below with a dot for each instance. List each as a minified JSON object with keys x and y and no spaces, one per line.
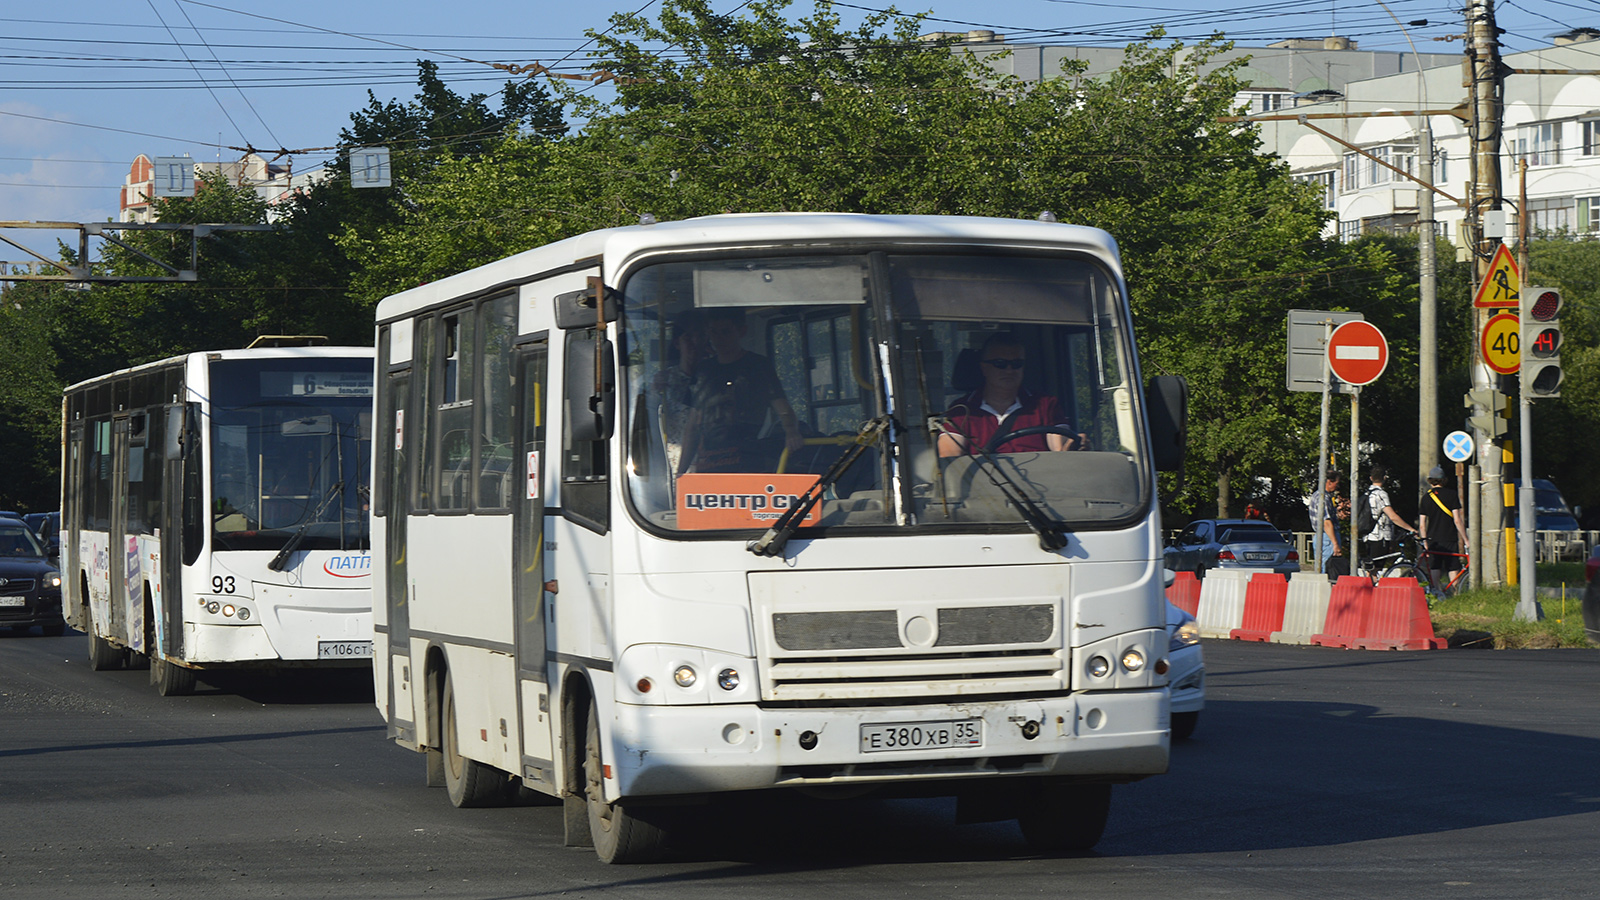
{"x":1306,"y":608}
{"x":1222,"y":601}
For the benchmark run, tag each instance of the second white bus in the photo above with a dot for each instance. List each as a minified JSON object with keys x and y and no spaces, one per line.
{"x":214,"y":512}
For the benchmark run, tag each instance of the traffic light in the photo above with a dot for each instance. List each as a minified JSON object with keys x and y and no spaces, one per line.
{"x":1541,"y":343}
{"x":1488,"y":413}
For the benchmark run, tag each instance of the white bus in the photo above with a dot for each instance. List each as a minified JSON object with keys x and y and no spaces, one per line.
{"x":698,"y":536}
{"x":214,"y":512}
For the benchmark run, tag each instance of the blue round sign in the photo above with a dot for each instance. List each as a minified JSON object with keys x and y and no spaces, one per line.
{"x":1458,"y":446}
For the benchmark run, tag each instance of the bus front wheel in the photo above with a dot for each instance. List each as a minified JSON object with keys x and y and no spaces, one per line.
{"x":1061,"y":817}
{"x":103,"y":655}
{"x":470,"y":783}
{"x":620,"y":836}
{"x":170,"y":680}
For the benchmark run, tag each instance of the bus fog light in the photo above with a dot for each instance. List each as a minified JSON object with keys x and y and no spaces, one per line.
{"x":244,"y":614}
{"x":228,"y":610}
{"x":1133,"y":661}
{"x":733,"y":733}
{"x":213,"y":606}
{"x":727,"y":679}
{"x":1099,"y":666}
{"x":684,"y":676}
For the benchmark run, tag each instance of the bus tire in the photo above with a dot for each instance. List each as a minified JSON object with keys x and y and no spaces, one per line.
{"x":1183,"y":725}
{"x":170,"y":680}
{"x":103,"y":656}
{"x":1060,"y":817}
{"x":471,"y":784}
{"x":619,"y":835}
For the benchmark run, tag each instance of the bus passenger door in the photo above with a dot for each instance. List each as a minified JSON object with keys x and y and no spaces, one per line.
{"x":121,"y":623}
{"x":527,"y":557}
{"x":397,"y":589}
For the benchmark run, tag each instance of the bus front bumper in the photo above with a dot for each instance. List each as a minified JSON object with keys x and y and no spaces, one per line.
{"x":664,"y":750}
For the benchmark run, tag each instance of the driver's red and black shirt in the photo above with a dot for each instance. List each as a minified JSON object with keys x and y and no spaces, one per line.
{"x":980,"y":422}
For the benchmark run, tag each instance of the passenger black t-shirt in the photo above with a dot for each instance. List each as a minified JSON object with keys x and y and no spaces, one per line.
{"x":1441,"y":524}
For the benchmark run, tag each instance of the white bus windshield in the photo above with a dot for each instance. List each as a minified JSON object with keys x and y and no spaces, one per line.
{"x":1007,"y":377}
{"x":291,"y":445}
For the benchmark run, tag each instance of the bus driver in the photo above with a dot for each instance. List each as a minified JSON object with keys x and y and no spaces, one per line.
{"x":1002,"y":404}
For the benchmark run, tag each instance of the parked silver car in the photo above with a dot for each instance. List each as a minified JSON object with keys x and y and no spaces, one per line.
{"x":1231,"y":544}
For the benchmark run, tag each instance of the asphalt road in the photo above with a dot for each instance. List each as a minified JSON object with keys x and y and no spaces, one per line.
{"x":1314,"y":773}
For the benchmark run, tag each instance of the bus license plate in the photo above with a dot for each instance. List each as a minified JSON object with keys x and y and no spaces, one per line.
{"x":878,"y":738}
{"x":344,"y":649}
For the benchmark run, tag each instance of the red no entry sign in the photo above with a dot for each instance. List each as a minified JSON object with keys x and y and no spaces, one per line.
{"x":1357,"y":353}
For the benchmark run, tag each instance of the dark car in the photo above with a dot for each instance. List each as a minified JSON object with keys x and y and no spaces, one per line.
{"x":30,"y":587}
{"x":48,"y":527}
{"x":1231,"y":544}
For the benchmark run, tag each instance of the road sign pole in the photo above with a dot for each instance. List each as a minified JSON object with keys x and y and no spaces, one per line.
{"x":1322,"y":456}
{"x":1355,"y":465}
{"x":1528,"y":609}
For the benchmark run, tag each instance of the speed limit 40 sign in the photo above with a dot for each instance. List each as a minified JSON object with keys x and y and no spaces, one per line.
{"x":1501,"y":344}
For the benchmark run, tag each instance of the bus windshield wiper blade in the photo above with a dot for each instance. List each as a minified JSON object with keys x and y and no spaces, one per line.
{"x":1051,"y":531}
{"x":772,"y":543}
{"x":281,"y":561}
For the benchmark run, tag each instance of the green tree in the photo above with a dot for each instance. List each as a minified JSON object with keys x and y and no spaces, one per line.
{"x":30,"y":401}
{"x":1564,"y":429}
{"x":755,"y":112}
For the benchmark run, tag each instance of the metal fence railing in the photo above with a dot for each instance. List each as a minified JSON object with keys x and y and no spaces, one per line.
{"x":1549,"y":546}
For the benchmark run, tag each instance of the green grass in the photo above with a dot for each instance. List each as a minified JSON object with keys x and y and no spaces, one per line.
{"x":1483,"y":618}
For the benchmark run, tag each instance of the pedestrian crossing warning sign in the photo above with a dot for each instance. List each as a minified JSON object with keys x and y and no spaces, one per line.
{"x":1502,"y":285}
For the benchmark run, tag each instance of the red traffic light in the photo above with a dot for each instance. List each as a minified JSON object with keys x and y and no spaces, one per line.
{"x":1546,"y":304}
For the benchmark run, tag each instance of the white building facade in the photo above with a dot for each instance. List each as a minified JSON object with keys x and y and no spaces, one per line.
{"x":1551,"y":121}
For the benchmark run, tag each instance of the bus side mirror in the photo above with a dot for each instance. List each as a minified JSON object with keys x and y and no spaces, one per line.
{"x":1167,"y":405}
{"x":591,"y":406}
{"x":172,"y":435}
{"x":575,"y":309}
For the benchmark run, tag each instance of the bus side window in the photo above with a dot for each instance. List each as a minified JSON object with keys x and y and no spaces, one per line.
{"x":585,"y":494}
{"x":498,"y":330}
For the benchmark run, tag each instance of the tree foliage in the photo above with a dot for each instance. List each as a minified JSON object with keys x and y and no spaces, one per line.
{"x":757,"y":111}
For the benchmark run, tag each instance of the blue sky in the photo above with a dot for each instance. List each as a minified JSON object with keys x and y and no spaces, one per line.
{"x":87,"y":86}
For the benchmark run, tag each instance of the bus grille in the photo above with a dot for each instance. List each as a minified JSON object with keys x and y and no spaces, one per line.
{"x":913,"y":676}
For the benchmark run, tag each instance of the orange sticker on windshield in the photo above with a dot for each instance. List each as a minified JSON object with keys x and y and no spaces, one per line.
{"x":740,"y":500}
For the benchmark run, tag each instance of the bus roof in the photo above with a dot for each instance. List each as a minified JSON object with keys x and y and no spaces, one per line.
{"x":240,"y":353}
{"x":613,"y":247}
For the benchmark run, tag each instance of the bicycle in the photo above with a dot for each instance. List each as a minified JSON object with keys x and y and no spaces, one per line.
{"x":1400,"y":565}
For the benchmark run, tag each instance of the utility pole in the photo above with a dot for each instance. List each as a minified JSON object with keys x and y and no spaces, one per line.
{"x":1487,"y":85}
{"x":1427,"y":314}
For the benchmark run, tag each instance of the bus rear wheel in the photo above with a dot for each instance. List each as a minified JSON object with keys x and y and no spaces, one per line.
{"x":619,"y":835}
{"x":1061,"y":817}
{"x":471,"y":784}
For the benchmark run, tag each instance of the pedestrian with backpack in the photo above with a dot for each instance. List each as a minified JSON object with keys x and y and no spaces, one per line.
{"x":1376,"y":519}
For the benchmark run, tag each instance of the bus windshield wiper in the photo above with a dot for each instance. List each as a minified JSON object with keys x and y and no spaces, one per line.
{"x":281,"y":561}
{"x":772,"y":543}
{"x":1051,"y":531}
